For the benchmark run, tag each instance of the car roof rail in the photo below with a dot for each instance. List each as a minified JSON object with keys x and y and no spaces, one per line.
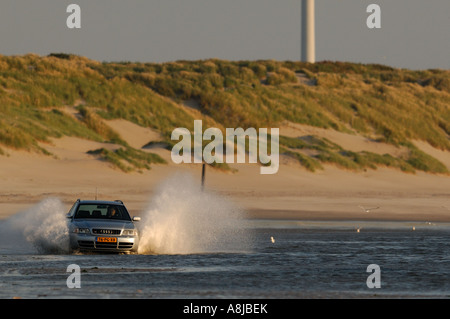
{"x":119,"y":201}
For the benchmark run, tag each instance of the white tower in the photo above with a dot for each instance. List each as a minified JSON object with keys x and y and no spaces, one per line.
{"x":308,"y":32}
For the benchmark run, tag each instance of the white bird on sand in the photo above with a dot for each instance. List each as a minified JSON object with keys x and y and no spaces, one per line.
{"x":367,"y":210}
{"x":272,"y":240}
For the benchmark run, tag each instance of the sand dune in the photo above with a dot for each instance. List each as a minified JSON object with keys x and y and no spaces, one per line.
{"x":136,"y":136}
{"x":292,"y":193}
{"x":442,"y":156}
{"x":351,"y":142}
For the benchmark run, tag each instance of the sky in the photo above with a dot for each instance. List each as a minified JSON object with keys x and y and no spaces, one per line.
{"x":414,"y":34}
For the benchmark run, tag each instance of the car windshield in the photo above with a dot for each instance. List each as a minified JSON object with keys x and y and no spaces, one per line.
{"x":102,"y":211}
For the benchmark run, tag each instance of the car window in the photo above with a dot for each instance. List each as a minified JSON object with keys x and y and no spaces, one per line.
{"x":102,"y":211}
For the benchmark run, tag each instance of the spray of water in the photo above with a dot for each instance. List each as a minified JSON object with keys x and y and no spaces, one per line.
{"x":183,"y":219}
{"x":41,"y":228}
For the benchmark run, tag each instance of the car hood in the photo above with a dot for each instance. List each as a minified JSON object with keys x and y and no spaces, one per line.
{"x":102,"y":223}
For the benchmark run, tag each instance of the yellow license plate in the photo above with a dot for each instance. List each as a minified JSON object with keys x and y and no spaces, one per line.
{"x":106,"y":239}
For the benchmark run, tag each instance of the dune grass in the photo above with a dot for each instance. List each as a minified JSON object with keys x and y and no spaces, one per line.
{"x":390,"y":105}
{"x":128,"y":159}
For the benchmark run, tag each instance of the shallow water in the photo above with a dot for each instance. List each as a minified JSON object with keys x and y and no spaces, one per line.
{"x":306,"y":260}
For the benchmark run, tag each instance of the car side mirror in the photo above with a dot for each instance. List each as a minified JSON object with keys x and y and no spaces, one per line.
{"x":136,"y":218}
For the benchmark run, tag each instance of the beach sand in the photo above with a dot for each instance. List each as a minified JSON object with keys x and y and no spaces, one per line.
{"x":292,"y":193}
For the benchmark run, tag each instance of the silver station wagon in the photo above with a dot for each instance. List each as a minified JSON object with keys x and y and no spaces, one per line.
{"x":102,"y":226}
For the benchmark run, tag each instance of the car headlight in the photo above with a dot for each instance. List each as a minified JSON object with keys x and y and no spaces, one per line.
{"x":79,"y":230}
{"x":130,"y":232}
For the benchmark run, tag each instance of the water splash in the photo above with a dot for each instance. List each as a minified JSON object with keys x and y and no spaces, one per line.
{"x":41,"y":228}
{"x":183,"y":220}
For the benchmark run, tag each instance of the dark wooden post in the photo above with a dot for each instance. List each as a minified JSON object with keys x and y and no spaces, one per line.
{"x":203,"y":176}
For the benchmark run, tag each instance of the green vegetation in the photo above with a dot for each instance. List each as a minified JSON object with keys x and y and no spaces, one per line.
{"x":394,"y":106}
{"x":128,"y":159}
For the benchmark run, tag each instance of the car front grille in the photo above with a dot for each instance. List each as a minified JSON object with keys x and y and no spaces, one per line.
{"x":98,"y":231}
{"x":125,"y":245}
{"x":85,"y":244}
{"x":105,"y":245}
